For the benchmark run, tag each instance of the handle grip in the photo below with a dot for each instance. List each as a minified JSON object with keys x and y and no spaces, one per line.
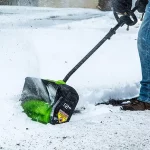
{"x":128,"y":16}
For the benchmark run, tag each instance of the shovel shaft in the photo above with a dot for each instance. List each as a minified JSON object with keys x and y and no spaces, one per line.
{"x":108,"y":36}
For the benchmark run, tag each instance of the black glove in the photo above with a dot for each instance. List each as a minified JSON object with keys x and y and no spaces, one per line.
{"x":121,"y":6}
{"x":124,"y":7}
{"x":141,"y":5}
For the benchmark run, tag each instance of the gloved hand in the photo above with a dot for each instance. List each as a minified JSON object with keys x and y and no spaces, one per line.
{"x":121,"y":6}
{"x":141,"y":5}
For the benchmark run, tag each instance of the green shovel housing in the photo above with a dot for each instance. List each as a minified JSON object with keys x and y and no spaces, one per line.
{"x":48,"y":101}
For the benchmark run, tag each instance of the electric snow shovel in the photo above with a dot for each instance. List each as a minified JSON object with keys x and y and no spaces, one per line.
{"x":54,"y":102}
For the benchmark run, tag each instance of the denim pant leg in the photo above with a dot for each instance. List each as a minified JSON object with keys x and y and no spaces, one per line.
{"x":144,"y":53}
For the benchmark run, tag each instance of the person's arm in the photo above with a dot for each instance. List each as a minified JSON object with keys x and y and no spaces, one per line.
{"x":141,"y":4}
{"x":123,"y":6}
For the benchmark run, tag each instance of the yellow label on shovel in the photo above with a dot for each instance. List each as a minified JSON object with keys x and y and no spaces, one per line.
{"x":62,"y":116}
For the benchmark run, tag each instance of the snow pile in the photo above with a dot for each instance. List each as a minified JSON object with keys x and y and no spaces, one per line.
{"x":17,"y":60}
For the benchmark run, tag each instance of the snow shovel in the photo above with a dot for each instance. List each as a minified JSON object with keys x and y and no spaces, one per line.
{"x":54,"y":102}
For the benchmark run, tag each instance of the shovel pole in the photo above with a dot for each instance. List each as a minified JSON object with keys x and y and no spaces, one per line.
{"x":107,"y":37}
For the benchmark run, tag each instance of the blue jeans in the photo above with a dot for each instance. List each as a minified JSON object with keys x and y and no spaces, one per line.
{"x":144,"y":53}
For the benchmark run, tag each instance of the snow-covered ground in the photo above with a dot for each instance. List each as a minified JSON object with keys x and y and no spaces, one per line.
{"x":47,"y":43}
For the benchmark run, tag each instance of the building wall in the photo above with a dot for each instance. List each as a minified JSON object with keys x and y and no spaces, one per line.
{"x":13,"y":2}
{"x":68,"y":3}
{"x":4,"y":2}
{"x":52,"y":3}
{"x":28,"y":2}
{"x":8,"y":2}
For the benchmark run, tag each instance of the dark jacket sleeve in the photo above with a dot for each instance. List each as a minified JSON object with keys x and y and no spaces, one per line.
{"x":141,"y":4}
{"x":121,"y":6}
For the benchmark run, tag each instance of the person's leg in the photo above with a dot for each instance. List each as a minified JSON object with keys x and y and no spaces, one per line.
{"x":144,"y":53}
{"x":143,"y":101}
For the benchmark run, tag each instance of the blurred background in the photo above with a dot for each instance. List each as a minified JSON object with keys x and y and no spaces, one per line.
{"x":100,"y":4}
